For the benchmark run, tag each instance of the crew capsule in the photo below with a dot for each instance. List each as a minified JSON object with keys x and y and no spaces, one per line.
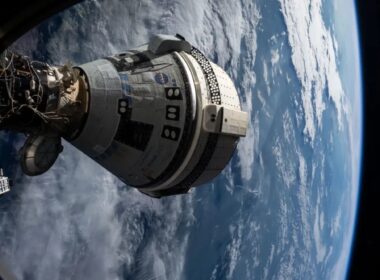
{"x":161,"y":117}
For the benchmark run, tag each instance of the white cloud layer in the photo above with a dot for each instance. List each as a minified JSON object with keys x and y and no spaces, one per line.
{"x":314,"y":60}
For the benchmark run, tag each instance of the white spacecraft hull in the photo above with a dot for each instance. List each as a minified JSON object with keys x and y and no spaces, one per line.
{"x":162,"y":117}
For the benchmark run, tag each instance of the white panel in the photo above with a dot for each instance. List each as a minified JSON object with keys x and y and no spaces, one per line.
{"x":217,"y":119}
{"x":234,"y":122}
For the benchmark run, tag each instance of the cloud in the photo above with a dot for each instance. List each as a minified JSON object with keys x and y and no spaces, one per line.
{"x":234,"y":247}
{"x":314,"y":60}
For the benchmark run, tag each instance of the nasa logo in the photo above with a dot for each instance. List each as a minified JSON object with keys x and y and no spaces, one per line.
{"x":161,"y":78}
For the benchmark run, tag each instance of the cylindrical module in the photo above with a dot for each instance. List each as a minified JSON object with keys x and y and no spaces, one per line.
{"x":162,"y":118}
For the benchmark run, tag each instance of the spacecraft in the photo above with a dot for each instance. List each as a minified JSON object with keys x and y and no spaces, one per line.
{"x":161,"y":117}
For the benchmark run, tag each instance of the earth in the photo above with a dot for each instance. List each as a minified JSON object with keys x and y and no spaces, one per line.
{"x":285,"y":206}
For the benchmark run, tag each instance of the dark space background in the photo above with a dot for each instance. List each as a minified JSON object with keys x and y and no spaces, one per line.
{"x":365,"y":262}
